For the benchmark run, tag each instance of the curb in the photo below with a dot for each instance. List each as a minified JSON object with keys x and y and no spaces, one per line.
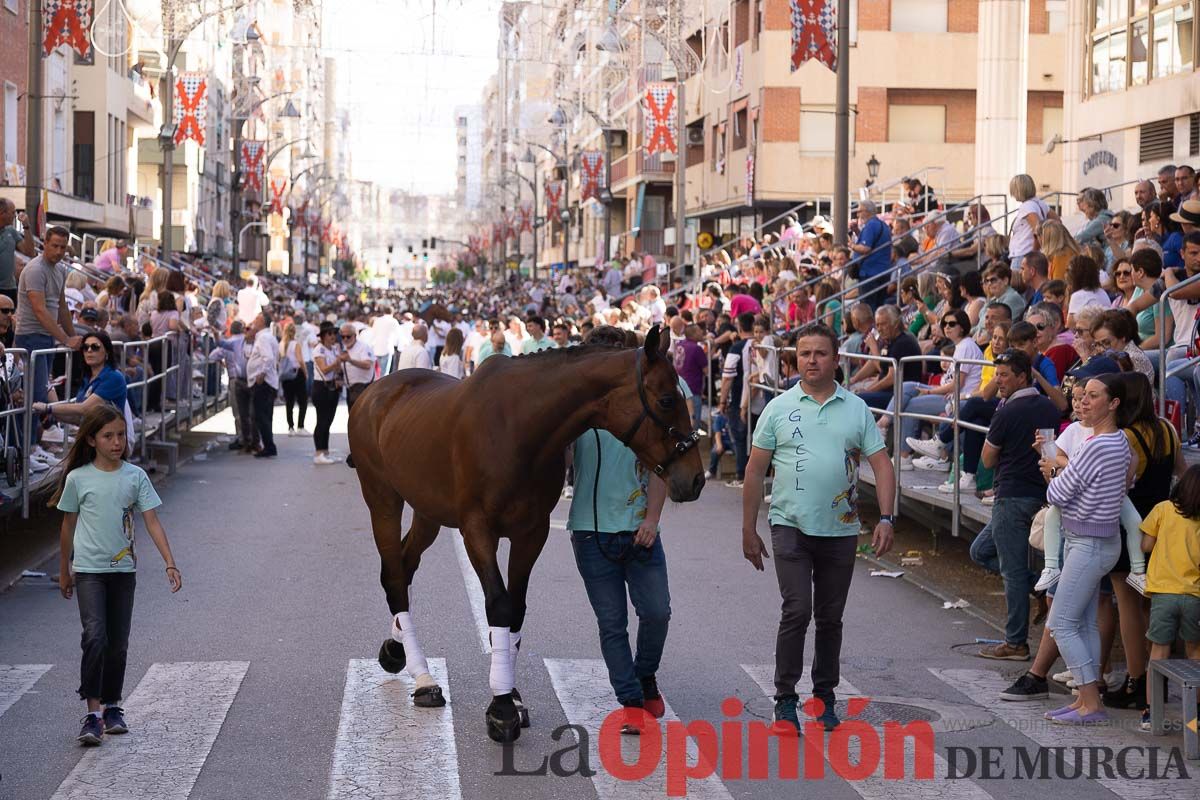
{"x":971,"y":611}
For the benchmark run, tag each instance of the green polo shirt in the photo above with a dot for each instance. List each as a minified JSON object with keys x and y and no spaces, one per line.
{"x":538,"y":345}
{"x":816,"y":448}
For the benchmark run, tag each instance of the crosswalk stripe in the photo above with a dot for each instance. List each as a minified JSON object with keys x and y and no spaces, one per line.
{"x":586,"y":697}
{"x":474,"y":590}
{"x":876,"y":787}
{"x":16,"y":680}
{"x":175,"y":715}
{"x":983,"y":687}
{"x":387,"y":747}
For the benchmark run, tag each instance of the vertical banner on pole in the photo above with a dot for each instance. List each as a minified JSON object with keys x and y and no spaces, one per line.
{"x":251,"y":165}
{"x":553,"y":192}
{"x":67,"y":22}
{"x":278,"y":187}
{"x":591,"y":164}
{"x":814,"y":32}
{"x":191,"y":107}
{"x":660,"y":115}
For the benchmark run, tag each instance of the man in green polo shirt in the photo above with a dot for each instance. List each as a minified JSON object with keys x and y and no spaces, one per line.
{"x":814,"y":436}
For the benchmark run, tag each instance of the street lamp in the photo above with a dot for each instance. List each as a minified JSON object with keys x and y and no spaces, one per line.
{"x":872,"y":169}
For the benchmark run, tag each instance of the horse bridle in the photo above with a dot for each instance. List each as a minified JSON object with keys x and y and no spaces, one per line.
{"x":683,"y":441}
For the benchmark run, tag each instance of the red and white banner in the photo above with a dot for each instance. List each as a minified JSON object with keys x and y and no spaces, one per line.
{"x":814,"y":32}
{"x":251,"y":164}
{"x":660,"y":115}
{"x":67,"y":22}
{"x":278,"y":187}
{"x":591,"y":179}
{"x":554,"y":194}
{"x":526,"y":216}
{"x":191,"y":107}
{"x":750,"y":178}
{"x":510,"y":225}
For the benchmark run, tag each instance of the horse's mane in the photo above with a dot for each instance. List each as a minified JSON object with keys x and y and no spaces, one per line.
{"x":563,"y":353}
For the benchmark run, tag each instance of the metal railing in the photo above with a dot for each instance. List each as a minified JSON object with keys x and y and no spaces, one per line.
{"x":1163,"y":349}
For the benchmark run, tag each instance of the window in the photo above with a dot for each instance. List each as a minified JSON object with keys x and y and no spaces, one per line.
{"x":1194,"y":135}
{"x":917,"y":124}
{"x":1173,"y":37}
{"x":919,"y":16}
{"x":741,"y":131}
{"x":1052,"y":123}
{"x":10,"y":123}
{"x":11,"y":5}
{"x":83,"y":154}
{"x":1156,"y":141}
{"x":817,"y":133}
{"x":1132,"y":42}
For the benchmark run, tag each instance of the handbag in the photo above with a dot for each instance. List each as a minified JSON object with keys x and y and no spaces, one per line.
{"x":1037,"y":530}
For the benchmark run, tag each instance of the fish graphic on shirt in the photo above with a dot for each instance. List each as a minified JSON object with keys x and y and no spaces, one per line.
{"x":127,"y":530}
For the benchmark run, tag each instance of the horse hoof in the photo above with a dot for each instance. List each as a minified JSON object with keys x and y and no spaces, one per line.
{"x":522,"y":710}
{"x":429,"y":697}
{"x":391,"y":656}
{"x":503,"y":721}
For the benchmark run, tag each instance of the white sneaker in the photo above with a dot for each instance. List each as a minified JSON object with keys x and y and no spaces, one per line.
{"x":37,"y":466}
{"x":906,"y":464}
{"x":734,"y":484}
{"x":1062,"y":677}
{"x":321,"y":458}
{"x":965,"y":484}
{"x":931,"y":464}
{"x":767,"y":499}
{"x":1137,"y":581}
{"x":930,"y":448}
{"x":291,"y":432}
{"x":568,"y":492}
{"x":39,"y":453}
{"x":302,"y":432}
{"x":1049,"y":577}
{"x":708,"y":476}
{"x":53,"y":435}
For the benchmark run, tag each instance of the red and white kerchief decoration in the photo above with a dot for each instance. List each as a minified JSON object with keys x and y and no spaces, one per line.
{"x":750,"y":178}
{"x":554,"y":193}
{"x":191,"y":107}
{"x":660,"y":115}
{"x":591,"y":179}
{"x":526,"y":212}
{"x":278,"y":187}
{"x":67,"y":22}
{"x":251,"y":164}
{"x":814,"y":32}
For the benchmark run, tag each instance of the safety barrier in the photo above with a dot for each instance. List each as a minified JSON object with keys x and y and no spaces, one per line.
{"x":173,"y":416}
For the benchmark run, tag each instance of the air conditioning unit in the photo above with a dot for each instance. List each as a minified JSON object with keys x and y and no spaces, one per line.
{"x":617,"y":138}
{"x":695,"y":137}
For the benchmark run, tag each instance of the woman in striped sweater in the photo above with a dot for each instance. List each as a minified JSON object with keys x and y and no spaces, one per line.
{"x":1089,"y":491}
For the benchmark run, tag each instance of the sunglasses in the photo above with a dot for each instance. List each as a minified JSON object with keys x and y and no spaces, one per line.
{"x":949,"y":323}
{"x":1003,"y":358}
{"x":992,"y":279}
{"x":8,"y":311}
{"x":349,"y":336}
{"x":92,"y":348}
{"x":1114,"y":224}
{"x":1079,"y":331}
{"x":1041,"y":326}
{"x":1123,"y":273}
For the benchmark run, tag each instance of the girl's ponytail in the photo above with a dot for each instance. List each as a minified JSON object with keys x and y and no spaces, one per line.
{"x":81,"y":453}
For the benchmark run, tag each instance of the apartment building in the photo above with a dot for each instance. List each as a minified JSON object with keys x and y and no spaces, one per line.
{"x":1132,"y":102}
{"x":14,"y":70}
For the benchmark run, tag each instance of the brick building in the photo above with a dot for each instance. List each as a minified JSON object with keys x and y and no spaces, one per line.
{"x":14,"y":71}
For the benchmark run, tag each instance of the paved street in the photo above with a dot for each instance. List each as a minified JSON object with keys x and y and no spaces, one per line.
{"x":258,"y":679}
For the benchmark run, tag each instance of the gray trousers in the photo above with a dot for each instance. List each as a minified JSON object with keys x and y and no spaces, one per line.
{"x":814,"y":575}
{"x":243,"y":412}
{"x":106,"y":611}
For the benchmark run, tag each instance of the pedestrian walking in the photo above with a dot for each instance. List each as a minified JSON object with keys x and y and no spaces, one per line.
{"x":814,"y":435}
{"x":98,"y":495}
{"x":262,"y":373}
{"x":293,"y":377}
{"x":415,"y":354}
{"x":358,"y":364}
{"x":233,"y":352}
{"x":327,"y":389}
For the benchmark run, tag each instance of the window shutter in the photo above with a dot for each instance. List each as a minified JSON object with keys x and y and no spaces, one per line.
{"x":1157,"y":141}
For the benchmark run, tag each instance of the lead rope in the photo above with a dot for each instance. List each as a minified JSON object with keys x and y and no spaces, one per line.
{"x":628,"y":552}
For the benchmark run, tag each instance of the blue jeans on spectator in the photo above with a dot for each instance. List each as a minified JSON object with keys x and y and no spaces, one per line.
{"x":608,"y":562}
{"x":878,"y":400}
{"x":308,"y":380}
{"x":873,"y":290}
{"x":1003,"y":547}
{"x":737,"y":431}
{"x":976,"y":411}
{"x":1072,"y":622}
{"x":932,"y":404}
{"x":40,"y":385}
{"x":1181,"y":385}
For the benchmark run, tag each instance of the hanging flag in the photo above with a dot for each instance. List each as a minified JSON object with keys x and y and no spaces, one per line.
{"x":591,"y":163}
{"x":251,"y":165}
{"x":750,"y":177}
{"x":191,"y":107}
{"x":67,"y":22}
{"x":526,"y":211}
{"x":739,"y":67}
{"x":660,"y":116}
{"x":814,"y":32}
{"x":554,"y":193}
{"x":498,"y":232}
{"x":510,"y":225}
{"x":278,"y":185}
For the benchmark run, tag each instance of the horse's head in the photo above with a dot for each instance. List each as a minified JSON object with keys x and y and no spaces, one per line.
{"x":650,"y":415}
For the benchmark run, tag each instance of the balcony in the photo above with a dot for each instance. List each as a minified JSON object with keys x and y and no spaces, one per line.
{"x":619,"y":171}
{"x":652,"y":242}
{"x":654,"y":167}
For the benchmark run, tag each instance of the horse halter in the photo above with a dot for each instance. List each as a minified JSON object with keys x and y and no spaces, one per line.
{"x":683,"y":441}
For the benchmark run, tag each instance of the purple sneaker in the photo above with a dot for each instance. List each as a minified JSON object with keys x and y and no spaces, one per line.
{"x":1073,"y":717}
{"x":1058,"y":712}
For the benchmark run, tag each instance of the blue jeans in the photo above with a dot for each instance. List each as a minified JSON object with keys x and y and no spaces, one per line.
{"x":1072,"y":622}
{"x":608,"y":562}
{"x":40,"y":385}
{"x":737,"y":432}
{"x":931,"y":404}
{"x":1003,"y":547}
{"x":1181,"y":385}
{"x":308,"y":379}
{"x":879,"y":400}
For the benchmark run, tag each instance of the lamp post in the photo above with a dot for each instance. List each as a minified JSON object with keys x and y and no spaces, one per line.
{"x":533,"y":225}
{"x":872,"y":170}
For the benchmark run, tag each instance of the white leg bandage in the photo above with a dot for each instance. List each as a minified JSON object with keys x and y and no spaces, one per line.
{"x":404,"y":632}
{"x":501,"y":675}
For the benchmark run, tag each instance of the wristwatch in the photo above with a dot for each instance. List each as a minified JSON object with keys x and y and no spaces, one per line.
{"x":888,"y":518}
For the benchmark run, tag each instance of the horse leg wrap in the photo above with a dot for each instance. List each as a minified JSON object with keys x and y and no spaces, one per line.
{"x":514,"y":640}
{"x":404,"y":632}
{"x":501,"y":675}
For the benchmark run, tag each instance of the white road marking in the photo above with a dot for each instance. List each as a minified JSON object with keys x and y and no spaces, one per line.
{"x":175,"y":715}
{"x":586,"y":697}
{"x":387,"y":747}
{"x":876,"y":787}
{"x":16,"y":680}
{"x":474,"y":590}
{"x":983,"y":686}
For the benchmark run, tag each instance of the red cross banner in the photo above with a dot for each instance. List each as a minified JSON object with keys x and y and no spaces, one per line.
{"x":526,"y":212}
{"x":660,"y":116}
{"x":278,"y":187}
{"x":554,"y":193}
{"x":251,"y":164}
{"x":67,"y":22}
{"x":814,"y":32}
{"x":191,"y":107}
{"x":750,"y":178}
{"x":497,"y":232}
{"x":510,"y":225}
{"x":591,"y":164}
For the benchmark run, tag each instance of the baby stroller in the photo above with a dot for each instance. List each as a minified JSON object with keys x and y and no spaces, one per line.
{"x":10,"y":438}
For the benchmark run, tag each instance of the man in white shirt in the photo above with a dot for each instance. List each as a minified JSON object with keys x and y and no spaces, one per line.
{"x":652,"y":300}
{"x":437,"y":338}
{"x":251,"y":300}
{"x":472,"y":342}
{"x":405,"y":331}
{"x":358,"y":364}
{"x":306,"y":334}
{"x":385,"y":335}
{"x":262,"y":373}
{"x":416,"y":354}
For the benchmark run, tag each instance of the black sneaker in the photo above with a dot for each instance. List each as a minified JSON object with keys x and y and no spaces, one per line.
{"x":1027,"y":687}
{"x":92,"y":732}
{"x":785,"y":711}
{"x":1132,"y":694}
{"x":114,"y":720}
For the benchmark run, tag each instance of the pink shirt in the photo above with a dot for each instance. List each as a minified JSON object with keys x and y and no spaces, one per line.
{"x":109,"y":261}
{"x":742,"y":303}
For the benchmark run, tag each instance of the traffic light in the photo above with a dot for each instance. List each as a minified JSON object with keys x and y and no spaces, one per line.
{"x":424,"y":256}
{"x":424,"y":244}
{"x":410,"y":250}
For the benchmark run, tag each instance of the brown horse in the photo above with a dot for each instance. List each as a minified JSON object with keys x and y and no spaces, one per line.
{"x":487,"y":456}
